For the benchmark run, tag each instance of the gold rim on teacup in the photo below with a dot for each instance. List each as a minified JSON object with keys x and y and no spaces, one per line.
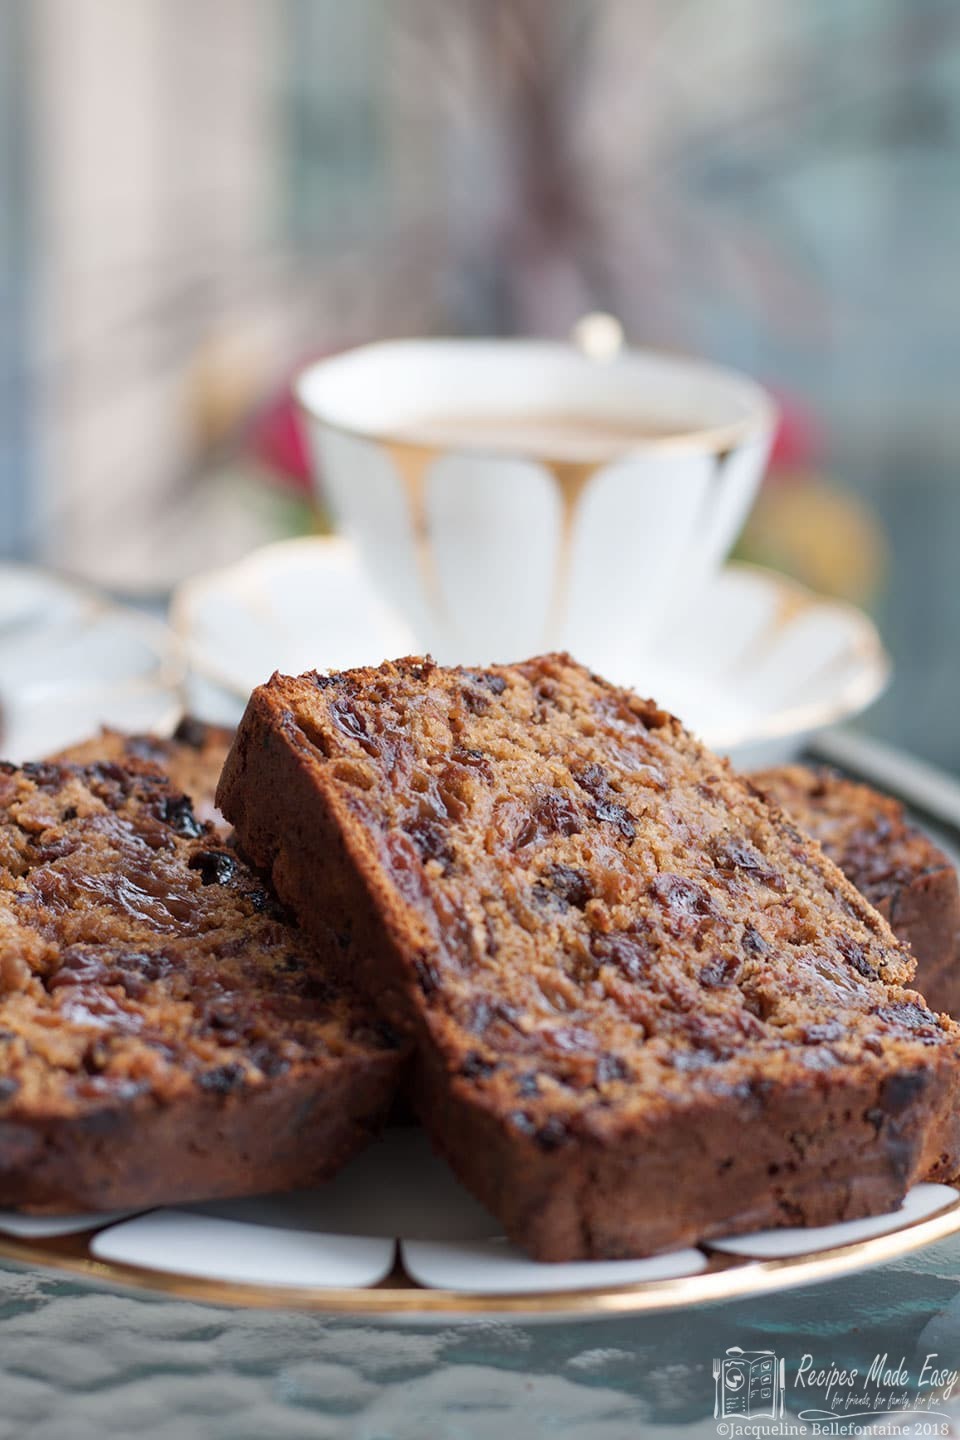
{"x":449,"y":462}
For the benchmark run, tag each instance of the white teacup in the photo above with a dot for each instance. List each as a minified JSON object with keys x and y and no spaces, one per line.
{"x":510,"y":497}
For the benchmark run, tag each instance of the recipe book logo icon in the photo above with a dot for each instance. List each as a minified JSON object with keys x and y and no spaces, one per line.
{"x":748,"y":1384}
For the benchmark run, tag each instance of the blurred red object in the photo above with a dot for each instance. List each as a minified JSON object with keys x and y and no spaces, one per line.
{"x":278,"y":441}
{"x":799,"y":441}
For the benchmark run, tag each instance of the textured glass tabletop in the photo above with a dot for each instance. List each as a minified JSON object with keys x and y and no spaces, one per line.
{"x":79,"y":1362}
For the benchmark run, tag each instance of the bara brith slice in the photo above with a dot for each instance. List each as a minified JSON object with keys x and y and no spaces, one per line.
{"x":167,"y":1033}
{"x":900,"y":870}
{"x":191,"y":758}
{"x":646,"y":1008}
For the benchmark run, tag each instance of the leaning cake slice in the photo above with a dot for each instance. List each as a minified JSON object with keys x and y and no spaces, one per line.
{"x":647,"y":1010}
{"x":166,"y":1031}
{"x":191,"y":758}
{"x":897,"y":867}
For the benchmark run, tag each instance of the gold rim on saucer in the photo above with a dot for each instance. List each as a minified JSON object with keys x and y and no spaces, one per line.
{"x":866,"y":652}
{"x":872,"y":679}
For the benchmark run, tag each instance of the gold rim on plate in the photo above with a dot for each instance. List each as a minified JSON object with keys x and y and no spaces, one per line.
{"x":727,"y":1277}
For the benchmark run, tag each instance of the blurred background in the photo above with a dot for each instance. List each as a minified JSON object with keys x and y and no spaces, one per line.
{"x":198,"y":195}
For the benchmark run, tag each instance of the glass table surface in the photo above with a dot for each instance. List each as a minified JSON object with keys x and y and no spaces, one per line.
{"x":81,"y":1362}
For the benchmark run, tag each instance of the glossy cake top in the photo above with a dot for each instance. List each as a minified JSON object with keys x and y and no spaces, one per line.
{"x":192,"y":758}
{"x":139,"y":956}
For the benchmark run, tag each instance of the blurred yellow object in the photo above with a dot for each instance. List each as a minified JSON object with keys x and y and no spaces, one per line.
{"x":227,"y":377}
{"x":824,"y":538}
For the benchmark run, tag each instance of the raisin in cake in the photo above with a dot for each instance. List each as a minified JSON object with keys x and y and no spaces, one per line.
{"x":647,"y":1009}
{"x":192,"y":757}
{"x":900,"y":870}
{"x":166,"y":1032}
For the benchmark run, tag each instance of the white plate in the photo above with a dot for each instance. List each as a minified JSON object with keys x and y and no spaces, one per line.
{"x":70,"y":662}
{"x":921,"y":1201}
{"x":495,"y":1267}
{"x":47,"y":1227}
{"x":395,"y":1234}
{"x":228,"y":1250}
{"x":758,"y":666}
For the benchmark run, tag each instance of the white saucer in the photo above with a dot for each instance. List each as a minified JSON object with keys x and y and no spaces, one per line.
{"x":759,"y":665}
{"x":70,"y":661}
